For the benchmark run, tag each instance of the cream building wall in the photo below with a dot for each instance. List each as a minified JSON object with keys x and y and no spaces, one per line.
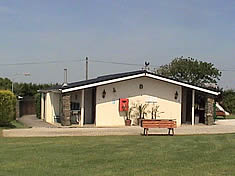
{"x":52,"y":106}
{"x":107,"y":109}
{"x":42,"y":105}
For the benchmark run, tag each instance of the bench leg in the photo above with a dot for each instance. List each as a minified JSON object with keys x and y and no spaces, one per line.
{"x":146,"y":131}
{"x":169,"y":131}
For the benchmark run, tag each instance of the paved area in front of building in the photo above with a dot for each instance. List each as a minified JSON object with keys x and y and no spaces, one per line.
{"x":34,"y":122}
{"x":222,"y":126}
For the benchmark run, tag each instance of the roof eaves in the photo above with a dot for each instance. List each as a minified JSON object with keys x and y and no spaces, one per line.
{"x":108,"y":81}
{"x":182,"y":84}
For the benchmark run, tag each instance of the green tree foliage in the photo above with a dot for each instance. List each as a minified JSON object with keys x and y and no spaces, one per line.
{"x":7,"y":107}
{"x":228,"y":100}
{"x":22,"y":89}
{"x":5,"y":84}
{"x":37,"y":98}
{"x":190,"y":70}
{"x":28,"y":89}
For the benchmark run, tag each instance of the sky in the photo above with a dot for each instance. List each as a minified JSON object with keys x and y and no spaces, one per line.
{"x":128,"y":31}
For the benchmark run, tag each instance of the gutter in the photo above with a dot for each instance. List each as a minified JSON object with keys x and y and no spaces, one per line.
{"x":47,"y":91}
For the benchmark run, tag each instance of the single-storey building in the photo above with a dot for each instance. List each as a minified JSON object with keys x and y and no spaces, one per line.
{"x":99,"y":101}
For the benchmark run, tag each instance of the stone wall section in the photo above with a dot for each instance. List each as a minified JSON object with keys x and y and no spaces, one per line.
{"x":65,"y":120}
{"x":209,"y":111}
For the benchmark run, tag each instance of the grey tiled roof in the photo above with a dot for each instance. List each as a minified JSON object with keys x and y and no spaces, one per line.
{"x":110,"y":77}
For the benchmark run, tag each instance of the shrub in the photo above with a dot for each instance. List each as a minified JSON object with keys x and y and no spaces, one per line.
{"x":7,"y":107}
{"x":228,"y":100}
{"x":37,"y":98}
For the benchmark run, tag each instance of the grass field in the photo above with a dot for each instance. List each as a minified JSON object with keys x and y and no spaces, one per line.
{"x":119,"y":155}
{"x":232,"y":116}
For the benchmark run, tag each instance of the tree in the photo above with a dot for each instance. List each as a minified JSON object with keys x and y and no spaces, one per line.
{"x":228,"y":100}
{"x":5,"y":84}
{"x":22,"y":89}
{"x":190,"y":70}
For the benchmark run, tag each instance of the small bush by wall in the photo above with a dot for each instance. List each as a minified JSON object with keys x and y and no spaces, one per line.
{"x":37,"y":98}
{"x":7,"y":107}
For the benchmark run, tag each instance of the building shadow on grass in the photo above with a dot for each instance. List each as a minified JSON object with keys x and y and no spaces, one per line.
{"x":7,"y":126}
{"x":12,"y":125}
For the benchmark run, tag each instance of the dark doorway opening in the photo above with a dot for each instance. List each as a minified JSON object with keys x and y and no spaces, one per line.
{"x":200,"y":102}
{"x":186,"y":107}
{"x":89,"y":105}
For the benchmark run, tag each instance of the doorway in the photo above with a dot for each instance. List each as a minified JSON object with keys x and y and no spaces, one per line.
{"x":200,"y":102}
{"x":89,"y":105}
{"x":186,"y":107}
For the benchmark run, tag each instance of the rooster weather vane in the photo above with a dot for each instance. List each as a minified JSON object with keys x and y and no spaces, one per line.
{"x":146,"y":65}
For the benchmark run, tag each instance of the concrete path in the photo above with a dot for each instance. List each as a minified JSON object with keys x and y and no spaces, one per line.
{"x":222,"y":126}
{"x":34,"y":122}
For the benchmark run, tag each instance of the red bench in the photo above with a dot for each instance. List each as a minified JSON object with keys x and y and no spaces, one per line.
{"x":220,"y":113}
{"x":164,"y":123}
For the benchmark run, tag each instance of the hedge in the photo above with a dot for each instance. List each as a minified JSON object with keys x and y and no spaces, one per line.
{"x":7,"y":107}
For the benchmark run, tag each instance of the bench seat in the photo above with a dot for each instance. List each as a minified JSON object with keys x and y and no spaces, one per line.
{"x":158,"y":123}
{"x":220,"y":113}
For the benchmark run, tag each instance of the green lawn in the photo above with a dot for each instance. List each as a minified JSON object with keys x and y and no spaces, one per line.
{"x":232,"y":116}
{"x":119,"y":155}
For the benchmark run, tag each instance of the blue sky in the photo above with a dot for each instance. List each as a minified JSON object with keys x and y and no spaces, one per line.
{"x":122,"y":30}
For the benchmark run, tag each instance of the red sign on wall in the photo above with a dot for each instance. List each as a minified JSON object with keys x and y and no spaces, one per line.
{"x":123,"y":104}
